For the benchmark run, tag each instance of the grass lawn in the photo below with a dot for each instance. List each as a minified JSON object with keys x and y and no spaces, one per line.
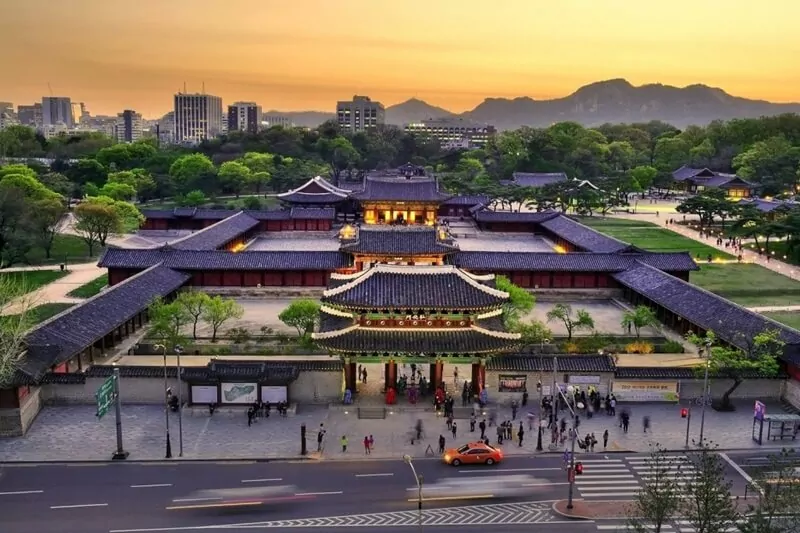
{"x":90,"y":289}
{"x":40,"y":313}
{"x":747,"y":284}
{"x":651,"y":237}
{"x":65,"y":247}
{"x":790,"y":318}
{"x":35,"y":279}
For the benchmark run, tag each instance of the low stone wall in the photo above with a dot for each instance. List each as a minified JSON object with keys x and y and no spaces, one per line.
{"x":15,"y":422}
{"x":791,"y":393}
{"x":575,"y":295}
{"x":317,"y":387}
{"x":751,"y":389}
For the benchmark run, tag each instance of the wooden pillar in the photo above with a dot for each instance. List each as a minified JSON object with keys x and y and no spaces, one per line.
{"x":390,"y":373}
{"x":477,"y":383}
{"x":350,"y":376}
{"x":80,"y":364}
{"x":437,"y":372}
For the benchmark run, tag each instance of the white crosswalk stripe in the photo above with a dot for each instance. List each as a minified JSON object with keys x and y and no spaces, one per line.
{"x":677,"y":526}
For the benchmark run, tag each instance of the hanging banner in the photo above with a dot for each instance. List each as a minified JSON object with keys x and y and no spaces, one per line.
{"x":646,"y":391}
{"x":512,"y":383}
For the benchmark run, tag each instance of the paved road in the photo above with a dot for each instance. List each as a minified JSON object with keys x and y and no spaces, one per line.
{"x":133,"y":498}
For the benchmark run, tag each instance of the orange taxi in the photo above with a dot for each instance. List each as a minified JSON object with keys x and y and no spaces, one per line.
{"x":474,"y":453}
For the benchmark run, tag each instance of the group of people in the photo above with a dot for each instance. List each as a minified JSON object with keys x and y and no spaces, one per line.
{"x":262,"y":410}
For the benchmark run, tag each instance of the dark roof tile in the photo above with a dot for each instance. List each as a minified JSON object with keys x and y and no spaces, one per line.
{"x":223,"y":260}
{"x":525,"y":217}
{"x":538,"y":179}
{"x":572,"y":262}
{"x":401,"y":190}
{"x":582,"y":236}
{"x":398,"y":241}
{"x":468,"y":200}
{"x":422,"y":341}
{"x":217,"y":235}
{"x":538,"y":363}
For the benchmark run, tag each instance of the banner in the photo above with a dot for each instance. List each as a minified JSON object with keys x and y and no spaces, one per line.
{"x":273,"y":394}
{"x":204,"y":394}
{"x":239,"y":393}
{"x":646,"y":391}
{"x":513,"y":383}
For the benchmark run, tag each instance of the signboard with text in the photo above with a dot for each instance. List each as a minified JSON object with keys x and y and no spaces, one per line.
{"x":105,"y":396}
{"x":646,"y":391}
{"x":513,"y":383}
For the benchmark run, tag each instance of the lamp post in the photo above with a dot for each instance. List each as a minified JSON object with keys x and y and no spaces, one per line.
{"x":707,"y":351}
{"x":539,"y":437}
{"x":178,"y":352}
{"x":571,"y":390}
{"x":168,"y":454}
{"x":418,"y":479}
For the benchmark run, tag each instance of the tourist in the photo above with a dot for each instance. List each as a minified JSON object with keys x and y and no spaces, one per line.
{"x":449,"y":422}
{"x":605,"y":440}
{"x":455,"y":375}
{"x":366,"y":445}
{"x":371,"y":443}
{"x":441,"y":443}
{"x":514,"y":407}
{"x":344,"y":443}
{"x":320,"y":437}
{"x":482,"y":427}
{"x":645,"y":423}
{"x":592,"y":443}
{"x":472,"y":423}
{"x":364,"y":376}
{"x":520,"y":434}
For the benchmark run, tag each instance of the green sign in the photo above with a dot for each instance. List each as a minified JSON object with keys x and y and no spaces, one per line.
{"x":105,"y":397}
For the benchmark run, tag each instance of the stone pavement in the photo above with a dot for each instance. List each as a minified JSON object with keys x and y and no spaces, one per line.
{"x":74,"y":433}
{"x":56,"y":292}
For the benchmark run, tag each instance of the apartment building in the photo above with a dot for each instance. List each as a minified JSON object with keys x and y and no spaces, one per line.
{"x":359,"y":114}
{"x":197,"y":117}
{"x":453,"y":132}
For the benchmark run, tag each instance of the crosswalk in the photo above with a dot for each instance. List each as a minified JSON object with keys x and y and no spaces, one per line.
{"x":623,"y":478}
{"x":674,"y":526}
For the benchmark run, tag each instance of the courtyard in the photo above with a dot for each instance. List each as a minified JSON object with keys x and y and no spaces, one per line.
{"x":316,"y":241}
{"x":504,"y":242}
{"x":607,"y":316}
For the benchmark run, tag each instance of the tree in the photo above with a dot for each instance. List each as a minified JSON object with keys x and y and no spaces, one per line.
{"x":58,"y":183}
{"x":260,"y":179}
{"x":778,"y":508}
{"x":45,"y":219}
{"x":339,"y":153}
{"x":705,"y":205}
{"x":234,"y":176}
{"x":219,"y":310}
{"x":193,"y":199}
{"x":94,"y":222}
{"x":302,"y":315}
{"x":706,"y":502}
{"x":13,"y":327}
{"x":641,"y":317}
{"x":533,"y":332}
{"x":644,"y":176}
{"x":760,"y":357}
{"x":167,"y":320}
{"x":520,"y":301}
{"x":138,"y":178}
{"x":189,"y":171}
{"x":773,"y":162}
{"x":117,"y":191}
{"x":194,"y":304}
{"x":563,"y":312}
{"x":659,"y":499}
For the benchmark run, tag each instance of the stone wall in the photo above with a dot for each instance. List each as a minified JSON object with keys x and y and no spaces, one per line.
{"x":751,"y":389}
{"x":317,"y":387}
{"x":791,"y":393}
{"x":576,"y":295}
{"x":15,"y":422}
{"x":577,"y":378}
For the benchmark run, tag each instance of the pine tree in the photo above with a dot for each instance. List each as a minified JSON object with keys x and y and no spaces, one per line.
{"x":707,"y":504}
{"x":659,"y":499}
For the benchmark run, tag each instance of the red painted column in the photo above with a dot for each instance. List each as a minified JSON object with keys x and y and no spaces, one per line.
{"x":437,"y":373}
{"x":350,"y":376}
{"x":390,"y":373}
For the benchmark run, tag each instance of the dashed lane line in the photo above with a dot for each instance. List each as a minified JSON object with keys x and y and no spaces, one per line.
{"x":79,"y":506}
{"x":387,"y":474}
{"x":20,"y":492}
{"x":265,"y":480}
{"x":151,"y":486}
{"x":319,"y":493}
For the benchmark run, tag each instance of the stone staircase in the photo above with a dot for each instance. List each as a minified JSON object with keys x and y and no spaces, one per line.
{"x":371,"y":413}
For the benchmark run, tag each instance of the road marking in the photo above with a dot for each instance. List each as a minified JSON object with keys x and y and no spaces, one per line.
{"x":152,"y":485}
{"x":78,"y":506}
{"x":588,"y":470}
{"x":183,"y":500}
{"x":741,"y":472}
{"x":601,"y":460}
{"x":602,"y":527}
{"x":453,"y":498}
{"x":318,"y":493}
{"x":612,"y":476}
{"x":508,"y":470}
{"x":610,"y":494}
{"x":13,"y":493}
{"x":262,"y":480}
{"x":375,"y":475}
{"x":611,"y":482}
{"x":542,"y":484}
{"x":213,"y":505}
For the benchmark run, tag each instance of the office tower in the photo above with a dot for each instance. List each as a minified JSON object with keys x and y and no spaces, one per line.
{"x":453,"y":132}
{"x":359,"y":114}
{"x":244,"y":116}
{"x":57,"y":110}
{"x":30,"y":115}
{"x":197,"y":117}
{"x":128,"y":127}
{"x":277,"y":120}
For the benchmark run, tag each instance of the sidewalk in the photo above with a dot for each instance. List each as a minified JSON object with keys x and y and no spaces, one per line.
{"x":62,"y":433}
{"x":55,"y":292}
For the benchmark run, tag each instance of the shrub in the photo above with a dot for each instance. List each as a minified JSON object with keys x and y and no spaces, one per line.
{"x":672,"y":347}
{"x":571,"y":347}
{"x":591,"y":344}
{"x":639,"y":347}
{"x":239,"y":335}
{"x":266,"y":331}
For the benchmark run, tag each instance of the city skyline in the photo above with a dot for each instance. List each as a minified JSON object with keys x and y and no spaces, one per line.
{"x":306,"y":56}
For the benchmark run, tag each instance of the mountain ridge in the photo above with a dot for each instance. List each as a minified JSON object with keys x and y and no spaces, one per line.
{"x":614,"y":100}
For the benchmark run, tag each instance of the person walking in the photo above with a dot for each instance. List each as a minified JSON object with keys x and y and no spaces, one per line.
{"x":441,"y":443}
{"x":344,"y":443}
{"x":320,"y":437}
{"x":605,"y":440}
{"x":366,"y":445}
{"x":482,"y":427}
{"x":454,"y":429}
{"x":472,"y":423}
{"x":521,"y":434}
{"x":646,"y":423}
{"x":371,"y":443}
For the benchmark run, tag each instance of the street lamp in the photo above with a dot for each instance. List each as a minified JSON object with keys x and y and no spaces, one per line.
{"x":166,"y":403}
{"x":705,"y":388}
{"x":418,"y":479}
{"x":571,"y":390}
{"x":539,"y":438}
{"x":178,"y":352}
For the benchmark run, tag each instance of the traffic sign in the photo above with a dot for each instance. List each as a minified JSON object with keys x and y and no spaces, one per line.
{"x":105,"y":396}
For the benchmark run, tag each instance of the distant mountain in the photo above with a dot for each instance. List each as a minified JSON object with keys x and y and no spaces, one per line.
{"x":305,"y":119}
{"x":619,"y":101}
{"x":591,"y":105}
{"x":414,"y":110}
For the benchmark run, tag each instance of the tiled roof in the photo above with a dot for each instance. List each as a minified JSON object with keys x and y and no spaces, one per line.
{"x":582,"y":236}
{"x":401,"y":190}
{"x":221,"y":214}
{"x":316,"y":186}
{"x":722,"y":180}
{"x":572,"y":262}
{"x":686,"y":172}
{"x":767,"y":206}
{"x":487,"y":215}
{"x":538,"y":179}
{"x":222,"y":260}
{"x":398,"y":241}
{"x":566,"y":363}
{"x":70,"y":332}
{"x":413,"y":287}
{"x":730,"y":322}
{"x":218,"y":234}
{"x":422,"y":341}
{"x":468,"y":200}
{"x":312,"y":213}
{"x":321,"y":198}
{"x":189,"y":212}
{"x":631,"y":372}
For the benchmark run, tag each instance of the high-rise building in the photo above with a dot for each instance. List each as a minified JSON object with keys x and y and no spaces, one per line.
{"x":31,"y":115}
{"x":453,"y":132}
{"x":244,"y":116}
{"x":128,"y":127}
{"x":57,"y":110}
{"x":197,"y":117}
{"x":359,"y":114}
{"x":277,"y":120}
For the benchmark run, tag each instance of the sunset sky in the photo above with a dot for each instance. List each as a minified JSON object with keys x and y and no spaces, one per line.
{"x":306,"y":54}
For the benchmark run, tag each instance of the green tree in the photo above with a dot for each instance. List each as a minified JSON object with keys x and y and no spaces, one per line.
{"x":87,"y":171}
{"x":193,"y":199}
{"x":95,"y":221}
{"x":259,"y":180}
{"x":194,"y":304}
{"x":189,"y":171}
{"x":706,"y":503}
{"x":563,"y":313}
{"x":644,"y":176}
{"x":519,"y":303}
{"x":234,"y":176}
{"x":705,"y":205}
{"x":13,"y":327}
{"x":640,"y":317}
{"x":659,"y":499}
{"x":140,"y":179}
{"x":45,"y":218}
{"x":778,"y":507}
{"x":117,"y":191}
{"x":339,"y":153}
{"x":58,"y":183}
{"x":167,"y":322}
{"x":533,"y":332}
{"x":219,"y":310}
{"x":302,"y":315}
{"x":17,"y":170}
{"x":760,"y":357}
{"x":772,"y":162}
